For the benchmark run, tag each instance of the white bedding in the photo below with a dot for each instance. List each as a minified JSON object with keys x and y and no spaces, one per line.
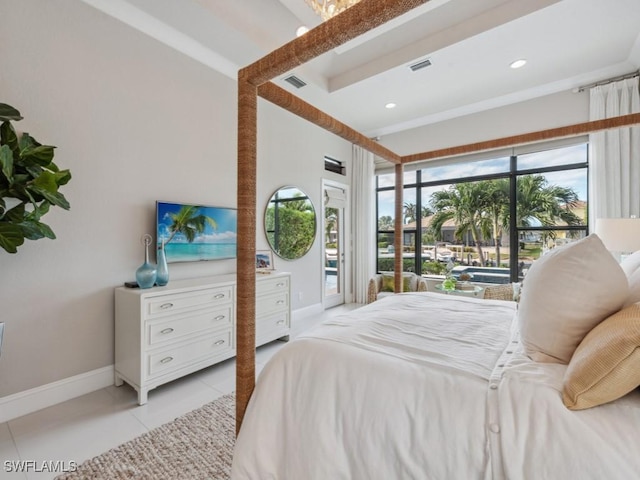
{"x":425,"y":386}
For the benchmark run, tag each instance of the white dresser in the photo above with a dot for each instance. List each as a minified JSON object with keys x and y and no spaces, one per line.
{"x":163,"y":333}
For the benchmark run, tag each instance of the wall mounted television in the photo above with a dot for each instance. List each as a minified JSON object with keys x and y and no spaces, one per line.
{"x":194,"y":233}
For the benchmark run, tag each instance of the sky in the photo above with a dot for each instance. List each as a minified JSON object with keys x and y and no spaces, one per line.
{"x":226,"y":219}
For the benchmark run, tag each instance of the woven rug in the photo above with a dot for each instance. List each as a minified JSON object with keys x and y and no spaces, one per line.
{"x":197,"y":445}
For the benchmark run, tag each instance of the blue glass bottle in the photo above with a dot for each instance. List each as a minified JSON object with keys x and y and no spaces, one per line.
{"x":146,"y":273}
{"x":162,"y":274}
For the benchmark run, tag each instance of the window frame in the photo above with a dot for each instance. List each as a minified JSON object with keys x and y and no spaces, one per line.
{"x":512,"y":175}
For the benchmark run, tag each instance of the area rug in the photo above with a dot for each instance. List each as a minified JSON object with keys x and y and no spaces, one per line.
{"x":197,"y":445}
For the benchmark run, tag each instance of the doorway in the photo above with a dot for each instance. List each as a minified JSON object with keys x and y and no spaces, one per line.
{"x":334,"y":251}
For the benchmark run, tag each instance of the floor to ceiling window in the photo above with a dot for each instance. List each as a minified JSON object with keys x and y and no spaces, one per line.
{"x":490,"y":217}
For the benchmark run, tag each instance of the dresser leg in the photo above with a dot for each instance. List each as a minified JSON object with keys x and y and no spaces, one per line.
{"x":118,"y":382}
{"x":142,"y":396}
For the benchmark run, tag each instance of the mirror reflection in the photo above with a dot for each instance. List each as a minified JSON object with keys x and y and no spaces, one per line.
{"x":290,"y":223}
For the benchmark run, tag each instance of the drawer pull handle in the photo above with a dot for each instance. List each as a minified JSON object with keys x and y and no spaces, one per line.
{"x":220,"y":342}
{"x":280,"y":302}
{"x":166,"y":330}
{"x":164,"y":306}
{"x":220,"y":295}
{"x":166,"y":359}
{"x":281,"y":284}
{"x":280,"y":322}
{"x":219,"y":317}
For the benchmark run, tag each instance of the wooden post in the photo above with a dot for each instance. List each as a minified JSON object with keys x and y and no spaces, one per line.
{"x":246,"y":276}
{"x":398,"y":235}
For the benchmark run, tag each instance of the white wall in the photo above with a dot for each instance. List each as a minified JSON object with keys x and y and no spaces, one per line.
{"x":291,"y":152}
{"x":135,"y":122}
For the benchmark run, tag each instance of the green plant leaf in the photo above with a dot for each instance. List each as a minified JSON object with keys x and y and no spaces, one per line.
{"x":34,"y":230}
{"x":39,"y":211}
{"x":63,"y":177}
{"x":53,"y":197}
{"x":8,"y":136}
{"x":11,"y":236}
{"x":6,"y":163}
{"x":7,"y":112}
{"x":41,"y":155}
{"x":26,"y":141}
{"x":16,"y":214}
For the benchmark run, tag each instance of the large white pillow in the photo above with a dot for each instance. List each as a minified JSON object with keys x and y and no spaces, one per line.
{"x":566,"y":293}
{"x":631,"y":266}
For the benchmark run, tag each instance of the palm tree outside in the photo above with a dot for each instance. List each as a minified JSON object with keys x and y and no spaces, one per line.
{"x":482,"y":208}
{"x":464,"y":203}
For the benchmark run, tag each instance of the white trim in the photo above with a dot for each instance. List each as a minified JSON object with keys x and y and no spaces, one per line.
{"x":306,"y":312}
{"x":29,"y":401}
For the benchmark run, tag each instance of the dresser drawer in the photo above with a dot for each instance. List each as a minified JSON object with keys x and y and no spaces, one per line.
{"x":272,"y":285}
{"x":272,"y":327}
{"x":272,"y":303}
{"x":176,"y":327}
{"x":174,"y":358}
{"x":175,"y":303}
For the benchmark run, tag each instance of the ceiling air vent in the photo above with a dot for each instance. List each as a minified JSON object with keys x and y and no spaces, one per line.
{"x":419,"y":65}
{"x":295,"y":81}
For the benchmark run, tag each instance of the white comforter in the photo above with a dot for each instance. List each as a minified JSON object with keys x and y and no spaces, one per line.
{"x":425,"y":386}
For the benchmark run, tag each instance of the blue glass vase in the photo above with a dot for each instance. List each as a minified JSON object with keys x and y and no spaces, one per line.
{"x":162,"y":274}
{"x":146,"y":273}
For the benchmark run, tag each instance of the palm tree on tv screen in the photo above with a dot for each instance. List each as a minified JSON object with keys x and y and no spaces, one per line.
{"x":189,"y":222}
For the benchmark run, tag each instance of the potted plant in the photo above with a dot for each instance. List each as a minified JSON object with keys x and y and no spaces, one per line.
{"x":29,"y":183}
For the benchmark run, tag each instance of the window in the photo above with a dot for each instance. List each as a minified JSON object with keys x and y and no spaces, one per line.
{"x":489,"y":217}
{"x":333,"y":165}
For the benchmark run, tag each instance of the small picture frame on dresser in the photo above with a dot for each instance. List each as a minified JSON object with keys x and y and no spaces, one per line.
{"x":264,"y":261}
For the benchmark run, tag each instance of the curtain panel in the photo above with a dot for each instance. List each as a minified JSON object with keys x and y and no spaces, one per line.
{"x":362,"y":221}
{"x":614,"y":155}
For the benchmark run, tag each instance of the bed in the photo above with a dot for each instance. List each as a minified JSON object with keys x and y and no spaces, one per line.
{"x":429,"y":386}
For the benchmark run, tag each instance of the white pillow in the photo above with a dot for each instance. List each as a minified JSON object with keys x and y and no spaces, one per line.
{"x":631,"y":266}
{"x":567,"y":292}
{"x":634,"y":289}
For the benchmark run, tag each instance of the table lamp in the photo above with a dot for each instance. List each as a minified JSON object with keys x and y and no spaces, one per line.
{"x":619,"y":235}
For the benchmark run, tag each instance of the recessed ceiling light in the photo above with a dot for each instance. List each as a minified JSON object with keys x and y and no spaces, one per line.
{"x":518,"y":63}
{"x":390,"y":105}
{"x":301,"y":31}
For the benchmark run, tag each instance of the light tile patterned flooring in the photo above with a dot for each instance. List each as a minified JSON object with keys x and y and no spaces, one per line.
{"x":84,"y":427}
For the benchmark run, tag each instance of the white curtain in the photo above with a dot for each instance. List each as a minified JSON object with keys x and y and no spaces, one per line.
{"x":362,"y":221}
{"x":615,"y":154}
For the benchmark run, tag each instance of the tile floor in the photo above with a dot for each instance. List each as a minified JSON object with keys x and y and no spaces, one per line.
{"x":84,"y":427}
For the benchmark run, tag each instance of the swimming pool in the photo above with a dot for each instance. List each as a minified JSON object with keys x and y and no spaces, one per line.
{"x":484,"y":274}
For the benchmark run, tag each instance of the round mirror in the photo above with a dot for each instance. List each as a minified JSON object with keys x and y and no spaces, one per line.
{"x":290,"y":223}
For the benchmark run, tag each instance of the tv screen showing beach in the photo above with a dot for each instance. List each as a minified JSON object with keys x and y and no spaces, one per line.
{"x":193,"y":233}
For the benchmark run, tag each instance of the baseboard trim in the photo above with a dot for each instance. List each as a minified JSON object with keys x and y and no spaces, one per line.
{"x":309,"y":311}
{"x":29,"y":401}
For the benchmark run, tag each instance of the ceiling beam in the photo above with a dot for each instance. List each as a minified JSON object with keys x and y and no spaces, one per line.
{"x":284,"y":99}
{"x":356,"y":20}
{"x":532,"y":137}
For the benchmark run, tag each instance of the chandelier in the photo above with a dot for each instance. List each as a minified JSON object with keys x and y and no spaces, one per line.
{"x":329,"y":8}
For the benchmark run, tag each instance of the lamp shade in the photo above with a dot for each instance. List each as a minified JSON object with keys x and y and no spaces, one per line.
{"x":619,"y":234}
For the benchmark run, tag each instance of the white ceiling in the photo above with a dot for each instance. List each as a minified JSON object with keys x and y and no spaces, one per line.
{"x":567,"y":43}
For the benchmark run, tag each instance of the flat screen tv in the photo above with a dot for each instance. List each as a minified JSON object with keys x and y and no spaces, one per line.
{"x":193,"y":233}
